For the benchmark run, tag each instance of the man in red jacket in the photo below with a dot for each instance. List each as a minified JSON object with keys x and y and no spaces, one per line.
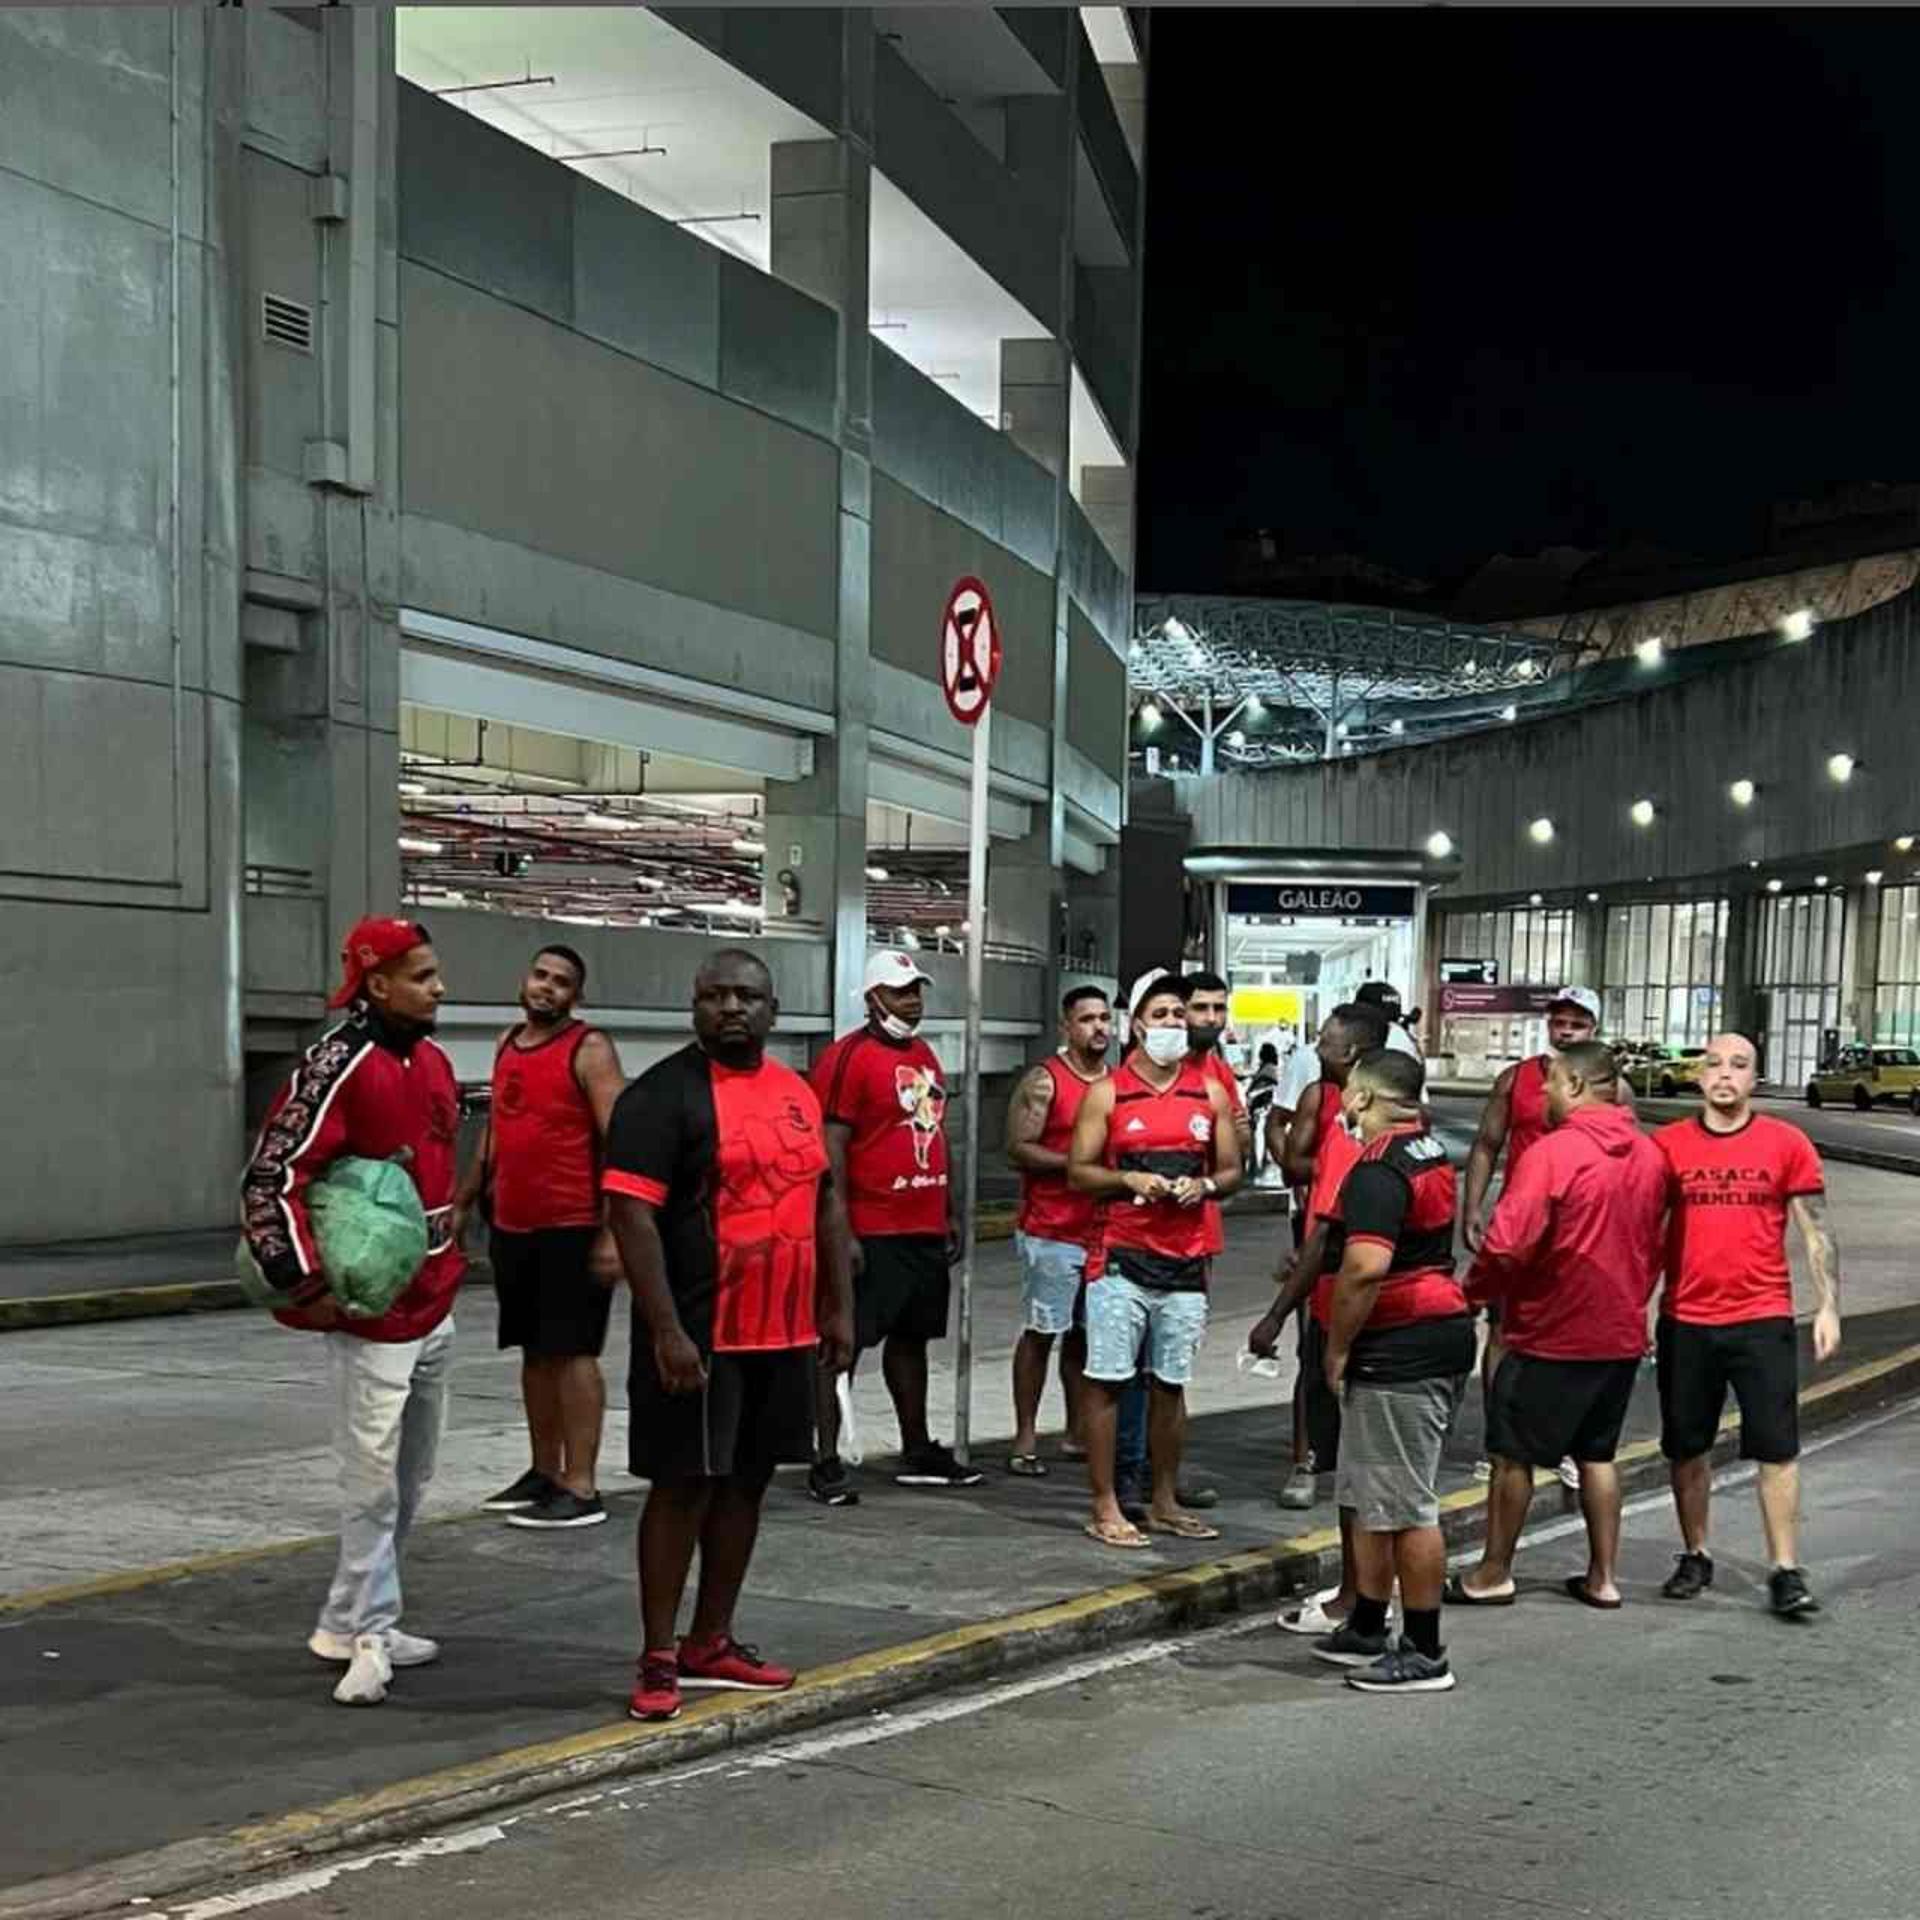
{"x":376,"y":1086}
{"x":1571,"y":1255}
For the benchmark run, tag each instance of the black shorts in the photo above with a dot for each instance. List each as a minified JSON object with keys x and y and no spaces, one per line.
{"x":1758,"y":1359}
{"x":1540,"y":1412}
{"x":754,"y":1414}
{"x":550,"y":1304}
{"x":1323,"y":1404}
{"x":904,"y":1287}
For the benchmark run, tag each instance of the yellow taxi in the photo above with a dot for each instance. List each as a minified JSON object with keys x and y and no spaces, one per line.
{"x":1869,"y":1077}
{"x":1655,"y":1069}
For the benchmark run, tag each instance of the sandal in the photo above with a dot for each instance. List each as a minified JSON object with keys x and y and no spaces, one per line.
{"x":1576,"y":1585}
{"x":1456,"y":1593}
{"x":1124,"y":1535}
{"x":1029,"y":1466}
{"x":1183,"y":1526}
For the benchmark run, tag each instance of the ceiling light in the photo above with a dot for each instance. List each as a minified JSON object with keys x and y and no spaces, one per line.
{"x":412,"y":843}
{"x":1840,"y":767}
{"x":1642,"y":812}
{"x":1176,"y":629}
{"x":738,"y":909}
{"x":1255,"y":706}
{"x":754,"y":847}
{"x":1237,"y":738}
{"x":1149,"y":714}
{"x":1798,"y":625}
{"x":1468,"y":668}
{"x":646,"y":883}
{"x":611,"y":822}
{"x":1527,"y":667}
{"x":1541,"y":831}
{"x":1396,"y":726}
{"x":1341,"y":731}
{"x":1904,"y":844}
{"x":940,"y":933}
{"x":1774,"y":886}
{"x":1741,"y":793}
{"x":909,"y":939}
{"x":413,"y":789}
{"x":1874,"y":876}
{"x":1439,"y":843}
{"x":1819,"y":879}
{"x":878,"y":875}
{"x":1651,"y":651}
{"x":1509,"y":712}
{"x":1533,"y":899}
{"x":1592,"y":899}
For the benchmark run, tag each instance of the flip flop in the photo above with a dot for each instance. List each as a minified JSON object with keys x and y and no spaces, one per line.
{"x":1029,"y":1466}
{"x":1183,"y":1526}
{"x":1068,"y":1451}
{"x":1131,"y":1538}
{"x":1456,"y":1593}
{"x":1576,"y":1586}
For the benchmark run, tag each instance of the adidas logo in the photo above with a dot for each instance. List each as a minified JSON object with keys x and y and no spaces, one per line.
{"x":1135,"y":1125}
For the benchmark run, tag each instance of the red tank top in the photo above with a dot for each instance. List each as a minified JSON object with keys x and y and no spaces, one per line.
{"x":1335,"y":1156}
{"x":1049,"y":1208}
{"x":1526,"y":1111}
{"x":546,"y":1149}
{"x":1168,"y":1132}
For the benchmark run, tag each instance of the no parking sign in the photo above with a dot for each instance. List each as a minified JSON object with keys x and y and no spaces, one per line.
{"x":969,"y":650}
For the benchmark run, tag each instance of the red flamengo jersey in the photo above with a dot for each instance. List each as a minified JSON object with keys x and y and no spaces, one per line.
{"x":1223,"y":1075}
{"x":1400,"y":1194}
{"x":1727,"y":1219}
{"x":731,"y":1162}
{"x":894,"y":1099}
{"x":1526,"y":1111}
{"x":546,"y":1149}
{"x":1168,"y":1132}
{"x":1335,"y":1155}
{"x":1049,"y":1208}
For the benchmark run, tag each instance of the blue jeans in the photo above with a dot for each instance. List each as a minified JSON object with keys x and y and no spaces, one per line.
{"x":1130,"y":1438}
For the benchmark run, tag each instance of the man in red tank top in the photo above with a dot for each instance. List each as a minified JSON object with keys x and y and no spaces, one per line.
{"x":555,"y":1080}
{"x":1154,"y":1142}
{"x":1056,"y":1224}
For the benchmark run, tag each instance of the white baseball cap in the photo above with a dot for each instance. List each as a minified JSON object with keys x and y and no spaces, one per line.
{"x":1582,"y":997}
{"x":893,"y":967}
{"x":1148,"y":981}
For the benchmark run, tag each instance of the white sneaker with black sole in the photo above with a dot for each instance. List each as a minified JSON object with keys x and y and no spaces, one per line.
{"x":560,"y":1509}
{"x":369,"y":1673}
{"x":1404,"y":1669}
{"x":403,"y":1649}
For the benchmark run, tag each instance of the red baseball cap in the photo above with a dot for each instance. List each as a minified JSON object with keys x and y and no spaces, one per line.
{"x":371,"y":943}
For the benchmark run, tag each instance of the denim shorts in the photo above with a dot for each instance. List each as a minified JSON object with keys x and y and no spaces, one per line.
{"x":1050,"y":1275}
{"x":1125,"y":1319}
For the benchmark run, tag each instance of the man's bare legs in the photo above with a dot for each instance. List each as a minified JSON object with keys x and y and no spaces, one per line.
{"x":1509,"y":1495}
{"x":1780,"y":1510}
{"x":1692,"y":1481}
{"x":566,"y":1402}
{"x":1600,"y":1505}
{"x":1030,"y":1357}
{"x":1100,"y":1416}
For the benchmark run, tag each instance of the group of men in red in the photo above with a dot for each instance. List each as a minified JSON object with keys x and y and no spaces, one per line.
{"x":772,"y":1227}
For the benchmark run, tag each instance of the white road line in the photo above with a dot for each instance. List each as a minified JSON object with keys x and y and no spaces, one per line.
{"x":889,"y":1726}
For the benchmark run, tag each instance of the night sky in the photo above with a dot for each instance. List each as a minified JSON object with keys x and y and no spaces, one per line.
{"x":1426,"y":286}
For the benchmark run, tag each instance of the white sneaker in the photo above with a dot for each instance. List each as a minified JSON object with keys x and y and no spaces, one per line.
{"x":403,"y":1649}
{"x":1569,"y":1475}
{"x":365,"y":1682}
{"x":1310,"y":1616}
{"x":1482,"y":1472}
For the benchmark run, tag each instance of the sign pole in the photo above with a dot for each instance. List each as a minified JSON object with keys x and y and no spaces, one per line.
{"x":976,"y":970}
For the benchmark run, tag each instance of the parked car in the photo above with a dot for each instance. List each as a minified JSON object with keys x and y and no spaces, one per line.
{"x":1666,"y":1070}
{"x":1869,"y":1077}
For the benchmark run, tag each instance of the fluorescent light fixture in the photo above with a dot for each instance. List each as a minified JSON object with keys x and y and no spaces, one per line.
{"x":610,"y":822}
{"x":1642,"y":812}
{"x":878,"y":875}
{"x":413,"y":789}
{"x":1541,"y":831}
{"x":412,"y":843}
{"x":735,"y":909}
{"x":1840,"y":767}
{"x":1651,"y":651}
{"x":1439,"y":843}
{"x":1798,"y":625}
{"x":745,"y":845}
{"x":1741,"y":793}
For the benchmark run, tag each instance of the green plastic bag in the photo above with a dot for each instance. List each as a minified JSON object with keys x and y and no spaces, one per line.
{"x":372,"y":1235}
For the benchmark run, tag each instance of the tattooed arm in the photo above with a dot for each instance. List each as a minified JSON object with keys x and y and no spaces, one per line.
{"x":1823,"y":1257}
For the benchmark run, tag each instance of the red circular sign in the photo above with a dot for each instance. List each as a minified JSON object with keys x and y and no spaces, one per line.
{"x":969,"y":651}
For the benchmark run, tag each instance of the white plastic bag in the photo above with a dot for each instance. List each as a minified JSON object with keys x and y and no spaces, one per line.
{"x":1266,"y":1365}
{"x":849,"y":1426}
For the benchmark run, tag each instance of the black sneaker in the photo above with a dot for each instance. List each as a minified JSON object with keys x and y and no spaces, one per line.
{"x":1692,"y":1575}
{"x":827,"y":1482}
{"x":562,"y":1507}
{"x":1404,"y":1669}
{"x":934,"y":1466}
{"x":1347,"y":1646}
{"x":1788,"y":1592}
{"x":529,"y":1490}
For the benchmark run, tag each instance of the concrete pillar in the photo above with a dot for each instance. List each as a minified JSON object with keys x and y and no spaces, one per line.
{"x":1106,"y":498}
{"x":1036,"y":397}
{"x":1023,"y":894}
{"x":1859,"y":1010}
{"x":1740,"y":1010}
{"x":819,"y":224}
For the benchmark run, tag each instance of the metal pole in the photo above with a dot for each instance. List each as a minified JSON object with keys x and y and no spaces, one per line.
{"x":970,"y":1179}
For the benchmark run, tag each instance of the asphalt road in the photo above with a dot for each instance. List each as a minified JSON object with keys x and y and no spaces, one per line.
{"x":1667,"y":1762}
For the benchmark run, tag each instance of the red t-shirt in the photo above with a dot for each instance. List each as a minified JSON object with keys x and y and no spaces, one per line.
{"x":1216,"y":1069}
{"x":731,"y":1162}
{"x":1727,"y":1228}
{"x":893,"y":1098}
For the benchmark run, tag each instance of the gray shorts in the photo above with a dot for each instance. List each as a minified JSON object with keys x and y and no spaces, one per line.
{"x":1390,"y":1441}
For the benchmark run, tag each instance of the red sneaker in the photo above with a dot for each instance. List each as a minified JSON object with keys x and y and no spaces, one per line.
{"x":724,"y":1662}
{"x":657,"y":1696}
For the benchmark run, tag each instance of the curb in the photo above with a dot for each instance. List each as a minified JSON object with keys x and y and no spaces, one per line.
{"x":1177,"y":1599}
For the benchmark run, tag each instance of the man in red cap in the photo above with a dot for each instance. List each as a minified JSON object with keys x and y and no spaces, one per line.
{"x":377,"y":1087}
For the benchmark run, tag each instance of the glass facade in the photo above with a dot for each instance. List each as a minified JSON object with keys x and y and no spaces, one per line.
{"x":1532,"y":946}
{"x":1799,"y":968}
{"x":1896,"y":1001}
{"x":1664,"y":968}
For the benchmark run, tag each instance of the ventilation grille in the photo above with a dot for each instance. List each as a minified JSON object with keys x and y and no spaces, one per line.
{"x":286,"y":323}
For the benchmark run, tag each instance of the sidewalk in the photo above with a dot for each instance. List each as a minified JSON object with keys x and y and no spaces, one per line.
{"x":176,"y":1709}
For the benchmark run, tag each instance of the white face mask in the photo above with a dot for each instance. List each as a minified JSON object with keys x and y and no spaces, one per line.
{"x":1164,"y":1045}
{"x":893,"y":1026}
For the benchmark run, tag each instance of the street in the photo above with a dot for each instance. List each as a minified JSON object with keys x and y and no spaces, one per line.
{"x":1676,"y":1763}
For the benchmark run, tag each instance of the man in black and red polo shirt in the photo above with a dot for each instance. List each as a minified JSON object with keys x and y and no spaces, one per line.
{"x":1399,"y":1348}
{"x":1726,"y":1319}
{"x":735,"y":1245}
{"x":885,"y":1100}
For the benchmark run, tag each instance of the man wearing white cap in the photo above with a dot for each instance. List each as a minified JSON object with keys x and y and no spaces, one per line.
{"x":884,"y":1097}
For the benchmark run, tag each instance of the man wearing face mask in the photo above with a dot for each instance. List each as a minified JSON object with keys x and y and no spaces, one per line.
{"x":885,"y":1098}
{"x":1153,"y":1143}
